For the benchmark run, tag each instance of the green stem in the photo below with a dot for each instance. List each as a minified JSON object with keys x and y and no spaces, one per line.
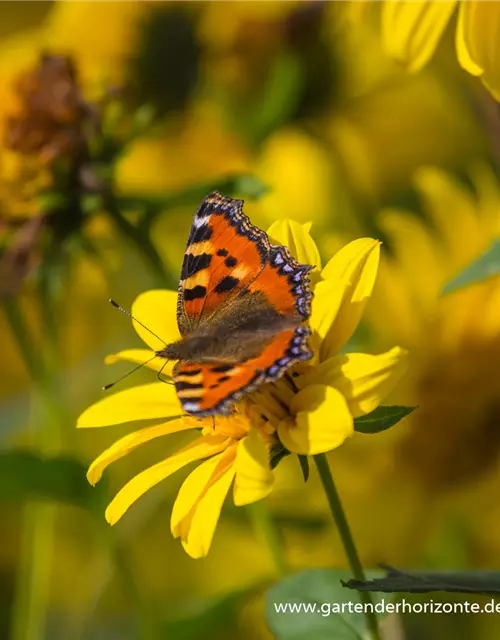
{"x":347,"y":540}
{"x":140,"y":239}
{"x":265,"y":528}
{"x":19,"y":328}
{"x":33,"y":584}
{"x":148,"y":625}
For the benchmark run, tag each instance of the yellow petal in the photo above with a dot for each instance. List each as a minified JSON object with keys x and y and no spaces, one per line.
{"x":328,"y":297}
{"x":411,"y":29}
{"x":364,"y":380}
{"x":140,"y":356}
{"x":356,"y":265}
{"x":464,"y":41}
{"x":461,"y":233}
{"x":130,"y":442}
{"x":478,"y":46}
{"x":254,"y":478}
{"x":145,"y":402}
{"x":64,"y":29}
{"x":410,"y":236}
{"x":297,"y":238}
{"x":157,"y":310}
{"x":147,"y":479}
{"x":322,"y":421}
{"x":354,"y":10}
{"x":197,"y":508}
{"x":298,"y":170}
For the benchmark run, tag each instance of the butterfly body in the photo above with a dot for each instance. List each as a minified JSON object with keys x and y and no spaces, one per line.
{"x":242,"y":303}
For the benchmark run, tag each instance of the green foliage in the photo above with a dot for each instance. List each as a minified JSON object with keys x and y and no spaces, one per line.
{"x":321,"y":589}
{"x":304,"y":467}
{"x":165,"y":33}
{"x":486,"y":266}
{"x":239,"y":185}
{"x":485,"y":582}
{"x":210,"y":616}
{"x":278,"y":100}
{"x":25,"y":475}
{"x":381,"y":419}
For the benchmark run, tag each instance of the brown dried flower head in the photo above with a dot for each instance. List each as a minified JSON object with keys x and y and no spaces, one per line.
{"x":52,"y":115}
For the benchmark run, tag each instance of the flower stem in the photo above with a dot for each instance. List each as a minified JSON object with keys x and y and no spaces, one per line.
{"x":265,"y":529}
{"x":139,"y":237}
{"x":29,"y":354}
{"x":347,"y":539}
{"x":33,"y":584}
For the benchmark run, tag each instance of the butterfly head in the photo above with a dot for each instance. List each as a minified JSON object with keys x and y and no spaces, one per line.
{"x":170,"y":351}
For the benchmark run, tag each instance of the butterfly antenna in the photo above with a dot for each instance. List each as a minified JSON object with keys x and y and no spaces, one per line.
{"x":129,"y":373}
{"x":127,"y":313}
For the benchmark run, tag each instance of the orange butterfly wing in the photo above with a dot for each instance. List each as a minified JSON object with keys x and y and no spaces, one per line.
{"x":224,"y":253}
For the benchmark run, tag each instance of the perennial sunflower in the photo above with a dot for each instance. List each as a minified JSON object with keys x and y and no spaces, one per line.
{"x":453,"y":338}
{"x":310,"y":410}
{"x":412,"y":29}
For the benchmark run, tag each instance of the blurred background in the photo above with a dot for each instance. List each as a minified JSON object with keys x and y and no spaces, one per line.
{"x":116,"y":118}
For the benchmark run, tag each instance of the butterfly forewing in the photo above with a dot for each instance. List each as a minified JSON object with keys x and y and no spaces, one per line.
{"x":224,"y":254}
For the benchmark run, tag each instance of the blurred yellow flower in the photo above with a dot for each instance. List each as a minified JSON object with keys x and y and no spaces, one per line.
{"x":82,"y":30}
{"x":454,"y":340}
{"x":310,"y":410}
{"x":298,"y":171}
{"x":412,"y":30}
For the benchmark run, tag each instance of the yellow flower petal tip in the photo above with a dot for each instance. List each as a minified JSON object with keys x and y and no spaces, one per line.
{"x":356,"y":266}
{"x":298,"y":239}
{"x":411,"y":30}
{"x":347,"y":262}
{"x":111,"y":518}
{"x":93,"y":476}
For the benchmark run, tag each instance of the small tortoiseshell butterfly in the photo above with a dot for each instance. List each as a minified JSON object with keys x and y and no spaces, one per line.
{"x":241,"y":307}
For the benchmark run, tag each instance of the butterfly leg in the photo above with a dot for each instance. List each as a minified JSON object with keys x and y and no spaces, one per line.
{"x":158,"y":375}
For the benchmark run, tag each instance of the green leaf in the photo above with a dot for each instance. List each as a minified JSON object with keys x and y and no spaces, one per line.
{"x":381,"y":419}
{"x":304,"y":467}
{"x":331,"y":608}
{"x":484,"y":582}
{"x":25,"y":475}
{"x":209,"y":617}
{"x":277,"y":453}
{"x":276,"y":103}
{"x":486,"y":266}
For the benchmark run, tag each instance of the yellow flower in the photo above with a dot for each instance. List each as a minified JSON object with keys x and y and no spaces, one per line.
{"x":106,"y":54}
{"x":310,"y":410}
{"x":412,"y":30}
{"x":454,"y":339}
{"x":298,"y":172}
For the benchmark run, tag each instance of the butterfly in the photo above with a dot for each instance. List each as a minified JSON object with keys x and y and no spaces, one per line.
{"x":241,"y":307}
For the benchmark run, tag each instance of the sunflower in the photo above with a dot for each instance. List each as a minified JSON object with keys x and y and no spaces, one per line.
{"x":453,"y":339}
{"x":310,"y":410}
{"x":411,"y":31}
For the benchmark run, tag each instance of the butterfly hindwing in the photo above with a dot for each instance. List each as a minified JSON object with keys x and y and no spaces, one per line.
{"x":209,"y":388}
